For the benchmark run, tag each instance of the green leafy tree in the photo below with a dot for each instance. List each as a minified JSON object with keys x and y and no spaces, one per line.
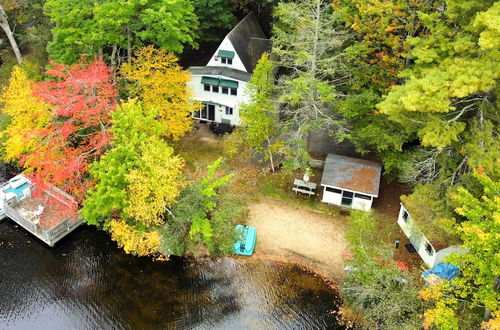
{"x":194,"y":215}
{"x":375,"y":58}
{"x":215,"y":18}
{"x":373,"y":284}
{"x":259,"y":117}
{"x":449,"y":98}
{"x":91,"y":28}
{"x":124,"y":170}
{"x":478,"y":225}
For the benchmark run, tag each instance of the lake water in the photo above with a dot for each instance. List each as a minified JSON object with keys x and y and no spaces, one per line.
{"x":86,"y":282}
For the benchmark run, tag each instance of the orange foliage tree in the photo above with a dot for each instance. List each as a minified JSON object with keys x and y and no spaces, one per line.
{"x":82,"y":97}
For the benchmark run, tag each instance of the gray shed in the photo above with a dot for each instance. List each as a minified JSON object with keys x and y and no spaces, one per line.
{"x":350,"y":182}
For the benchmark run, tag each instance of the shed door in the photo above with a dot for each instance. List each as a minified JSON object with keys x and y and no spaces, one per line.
{"x":347,"y":197}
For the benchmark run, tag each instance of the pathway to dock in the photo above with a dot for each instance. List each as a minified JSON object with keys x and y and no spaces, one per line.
{"x":299,"y":235}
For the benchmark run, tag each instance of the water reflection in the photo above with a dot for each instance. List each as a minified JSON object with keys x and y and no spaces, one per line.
{"x":85,"y":282}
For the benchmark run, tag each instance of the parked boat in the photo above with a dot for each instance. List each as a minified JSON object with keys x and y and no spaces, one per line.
{"x":245,"y":243}
{"x":18,"y":188}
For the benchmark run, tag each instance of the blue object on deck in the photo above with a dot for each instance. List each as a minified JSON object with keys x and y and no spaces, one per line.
{"x":19,"y":191}
{"x":246,"y":240}
{"x":446,"y":271}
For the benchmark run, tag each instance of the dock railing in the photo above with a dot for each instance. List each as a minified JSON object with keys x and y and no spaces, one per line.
{"x":17,"y":217}
{"x":52,"y":234}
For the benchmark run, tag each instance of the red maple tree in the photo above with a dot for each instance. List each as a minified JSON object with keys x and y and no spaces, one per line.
{"x":83,"y":97}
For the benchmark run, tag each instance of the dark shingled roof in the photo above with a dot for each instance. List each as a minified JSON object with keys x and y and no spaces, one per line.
{"x":220,"y":71}
{"x":354,"y":174}
{"x":249,"y":41}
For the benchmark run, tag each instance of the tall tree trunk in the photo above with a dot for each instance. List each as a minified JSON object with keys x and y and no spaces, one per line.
{"x":129,"y":45}
{"x":113,"y":55}
{"x":270,"y":154}
{"x":4,"y":24}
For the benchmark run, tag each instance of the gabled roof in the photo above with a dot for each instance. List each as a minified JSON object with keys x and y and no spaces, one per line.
{"x":249,"y":41}
{"x":353,"y":174}
{"x":220,"y":71}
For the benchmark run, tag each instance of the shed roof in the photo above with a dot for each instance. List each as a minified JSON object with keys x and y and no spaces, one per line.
{"x":354,"y":174}
{"x":220,"y":71}
{"x":249,"y":41}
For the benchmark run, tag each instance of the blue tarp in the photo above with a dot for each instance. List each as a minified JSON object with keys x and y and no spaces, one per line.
{"x":445,"y":271}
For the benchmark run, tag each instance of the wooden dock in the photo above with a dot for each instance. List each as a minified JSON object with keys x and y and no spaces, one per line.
{"x":50,"y":215}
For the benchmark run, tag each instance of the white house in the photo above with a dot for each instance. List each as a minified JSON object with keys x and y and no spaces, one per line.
{"x":221,"y":84}
{"x":431,"y":250}
{"x":350,"y":182}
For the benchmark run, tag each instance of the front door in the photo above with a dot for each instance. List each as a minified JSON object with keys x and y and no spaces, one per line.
{"x":207,"y":112}
{"x":211,"y":112}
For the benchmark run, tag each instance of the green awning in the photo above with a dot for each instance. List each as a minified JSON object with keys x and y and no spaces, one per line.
{"x":229,"y":83}
{"x":210,"y":81}
{"x":226,"y":54}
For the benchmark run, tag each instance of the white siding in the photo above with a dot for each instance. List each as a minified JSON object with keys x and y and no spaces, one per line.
{"x":417,"y":238}
{"x":227,"y":45}
{"x":361,"y":204}
{"x":221,"y":100}
{"x":331,"y":197}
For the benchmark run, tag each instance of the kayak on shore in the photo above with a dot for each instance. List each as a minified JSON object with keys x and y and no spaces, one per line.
{"x":245,"y":243}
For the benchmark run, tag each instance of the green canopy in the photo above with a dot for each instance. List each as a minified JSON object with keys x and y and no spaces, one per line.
{"x":226,"y":54}
{"x":210,"y":81}
{"x":229,"y":83}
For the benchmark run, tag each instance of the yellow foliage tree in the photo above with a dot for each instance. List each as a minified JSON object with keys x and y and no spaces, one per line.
{"x":162,"y":84}
{"x":155,"y":183}
{"x":27,"y":112}
{"x":134,"y":241}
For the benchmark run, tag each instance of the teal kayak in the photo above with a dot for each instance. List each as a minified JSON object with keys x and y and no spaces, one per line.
{"x":245,"y":241}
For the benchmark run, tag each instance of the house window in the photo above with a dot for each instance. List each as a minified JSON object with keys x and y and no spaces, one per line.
{"x":229,"y":111}
{"x":405,"y":216}
{"x":362,"y":196}
{"x":333,"y":190}
{"x":225,"y":90}
{"x":429,"y":248}
{"x":225,"y":60}
{"x":215,"y":89}
{"x":206,"y":87}
{"x":226,"y":56}
{"x":234,"y":91}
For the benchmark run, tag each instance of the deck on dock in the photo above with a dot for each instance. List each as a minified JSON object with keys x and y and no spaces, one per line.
{"x":49,"y":214}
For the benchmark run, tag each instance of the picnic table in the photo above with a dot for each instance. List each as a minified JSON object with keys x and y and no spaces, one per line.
{"x":304,"y":187}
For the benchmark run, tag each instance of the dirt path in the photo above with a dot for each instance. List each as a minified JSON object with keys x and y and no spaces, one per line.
{"x":288,"y":233}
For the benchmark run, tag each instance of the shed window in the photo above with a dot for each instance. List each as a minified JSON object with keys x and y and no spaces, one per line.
{"x":333,"y":190}
{"x":229,"y":111}
{"x":429,"y":248}
{"x":363,"y":196}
